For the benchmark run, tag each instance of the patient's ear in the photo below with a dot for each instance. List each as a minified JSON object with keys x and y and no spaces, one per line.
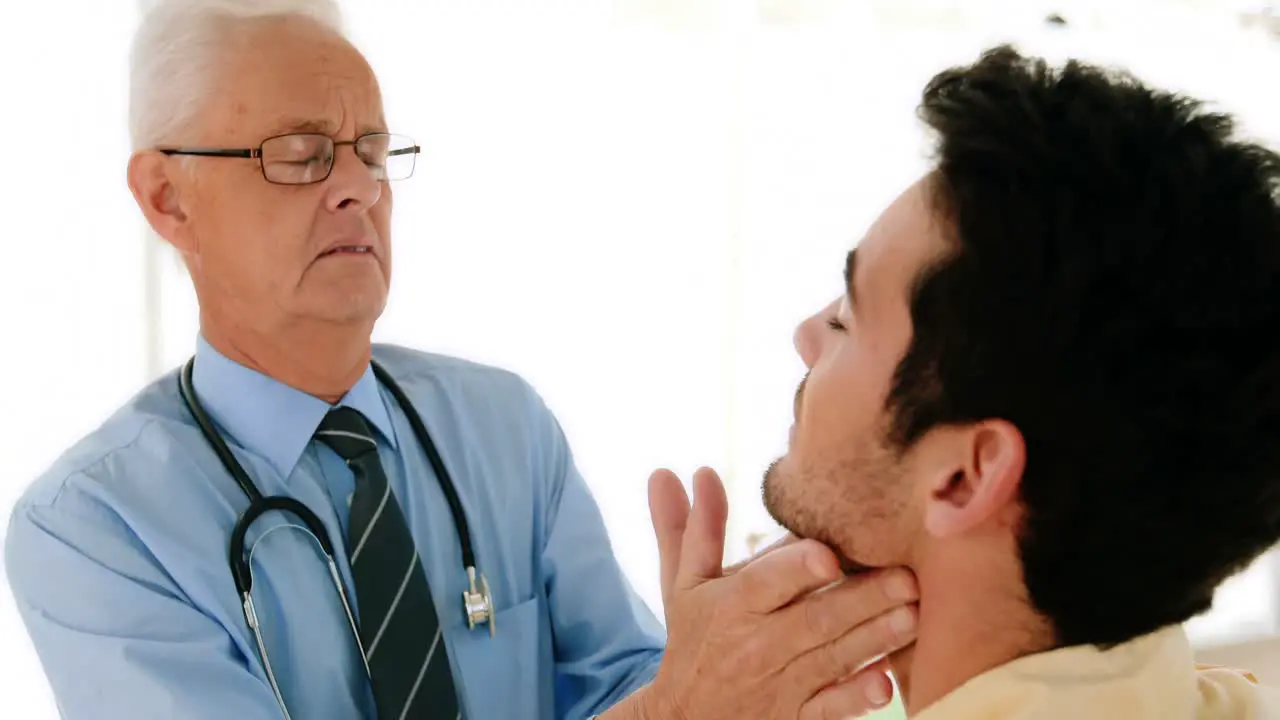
{"x":981,"y":482}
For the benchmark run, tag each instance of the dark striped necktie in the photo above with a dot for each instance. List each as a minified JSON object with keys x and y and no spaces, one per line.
{"x":398,"y":624}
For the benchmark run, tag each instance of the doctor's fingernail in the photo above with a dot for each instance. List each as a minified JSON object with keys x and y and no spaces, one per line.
{"x":877,"y":692}
{"x":903,"y":621}
{"x":821,"y":566}
{"x":901,"y":586}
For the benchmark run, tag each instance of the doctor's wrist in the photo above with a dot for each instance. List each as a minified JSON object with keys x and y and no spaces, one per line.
{"x":640,"y":705}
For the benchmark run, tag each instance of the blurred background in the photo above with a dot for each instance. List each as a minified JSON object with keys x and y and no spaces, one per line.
{"x":630,"y":202}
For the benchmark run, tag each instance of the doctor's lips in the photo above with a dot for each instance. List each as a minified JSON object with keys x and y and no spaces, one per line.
{"x":356,"y":247}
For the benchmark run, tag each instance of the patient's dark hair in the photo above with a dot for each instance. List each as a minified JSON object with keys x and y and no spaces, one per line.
{"x":1113,"y":290}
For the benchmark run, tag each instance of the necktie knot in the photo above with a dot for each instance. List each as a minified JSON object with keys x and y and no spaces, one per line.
{"x":345,"y":430}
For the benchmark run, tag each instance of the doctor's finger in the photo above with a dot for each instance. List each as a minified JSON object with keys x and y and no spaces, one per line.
{"x":780,"y":542}
{"x":669,"y":512}
{"x":832,"y":662}
{"x":866,"y":691}
{"x":702,"y":554}
{"x":777,"y":578}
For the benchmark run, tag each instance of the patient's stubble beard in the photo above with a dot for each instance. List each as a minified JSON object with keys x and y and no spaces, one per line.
{"x":800,"y":518}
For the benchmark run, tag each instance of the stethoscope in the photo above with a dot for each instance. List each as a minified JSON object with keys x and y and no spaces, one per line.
{"x":477,"y":603}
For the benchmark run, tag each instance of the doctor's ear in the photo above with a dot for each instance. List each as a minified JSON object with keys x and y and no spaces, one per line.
{"x":156,"y":190}
{"x":980,"y":483}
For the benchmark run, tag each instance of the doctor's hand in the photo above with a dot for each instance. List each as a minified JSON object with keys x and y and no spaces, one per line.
{"x":780,"y":542}
{"x":782,"y":636}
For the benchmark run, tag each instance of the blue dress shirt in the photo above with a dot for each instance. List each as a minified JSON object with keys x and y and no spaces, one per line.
{"x":118,"y":555}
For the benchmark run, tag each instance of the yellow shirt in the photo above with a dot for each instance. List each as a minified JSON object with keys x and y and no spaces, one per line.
{"x":1152,"y":678}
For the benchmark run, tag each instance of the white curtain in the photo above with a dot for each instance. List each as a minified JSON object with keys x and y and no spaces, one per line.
{"x":70,"y":261}
{"x":629,"y":203}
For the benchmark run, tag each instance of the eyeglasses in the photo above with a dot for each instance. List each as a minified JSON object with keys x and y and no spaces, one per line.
{"x":305,"y":158}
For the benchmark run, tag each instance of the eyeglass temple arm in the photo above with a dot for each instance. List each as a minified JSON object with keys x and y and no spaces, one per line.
{"x":211,"y":152}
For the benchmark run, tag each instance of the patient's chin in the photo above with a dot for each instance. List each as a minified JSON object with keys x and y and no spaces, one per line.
{"x":848,"y":566}
{"x":851,"y":567}
{"x":797,"y":520}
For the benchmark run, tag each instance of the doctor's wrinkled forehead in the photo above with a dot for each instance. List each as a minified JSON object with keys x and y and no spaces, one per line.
{"x":177,"y":49}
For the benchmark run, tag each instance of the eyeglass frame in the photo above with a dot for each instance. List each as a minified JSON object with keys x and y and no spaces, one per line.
{"x":256,"y":153}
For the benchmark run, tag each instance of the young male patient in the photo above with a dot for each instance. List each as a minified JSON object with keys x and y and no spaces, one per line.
{"x":1052,"y":390}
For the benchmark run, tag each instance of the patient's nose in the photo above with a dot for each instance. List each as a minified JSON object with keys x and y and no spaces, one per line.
{"x":806,"y":341}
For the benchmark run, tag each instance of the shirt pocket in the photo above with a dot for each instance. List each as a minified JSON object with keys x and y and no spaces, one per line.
{"x":507,"y":676}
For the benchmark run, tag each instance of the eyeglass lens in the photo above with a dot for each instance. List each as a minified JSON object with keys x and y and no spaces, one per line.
{"x":305,"y":158}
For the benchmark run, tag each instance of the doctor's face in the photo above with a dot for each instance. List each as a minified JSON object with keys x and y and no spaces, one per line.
{"x":841,"y":482}
{"x":266,"y":255}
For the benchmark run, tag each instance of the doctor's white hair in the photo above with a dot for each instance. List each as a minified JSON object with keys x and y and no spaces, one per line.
{"x":176,"y":48}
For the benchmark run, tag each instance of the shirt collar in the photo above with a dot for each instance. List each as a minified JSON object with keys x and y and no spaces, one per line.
{"x":1153,"y":676}
{"x":269,"y":418}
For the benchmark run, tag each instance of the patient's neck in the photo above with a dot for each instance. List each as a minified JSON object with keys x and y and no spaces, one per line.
{"x":974,"y":616}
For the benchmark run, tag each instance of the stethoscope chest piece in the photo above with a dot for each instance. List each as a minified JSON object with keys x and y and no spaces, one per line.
{"x":478,"y":603}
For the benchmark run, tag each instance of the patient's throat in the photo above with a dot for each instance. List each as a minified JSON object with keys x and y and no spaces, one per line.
{"x":901,"y":665}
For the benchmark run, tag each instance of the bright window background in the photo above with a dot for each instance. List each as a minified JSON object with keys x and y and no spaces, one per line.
{"x":630,"y":203}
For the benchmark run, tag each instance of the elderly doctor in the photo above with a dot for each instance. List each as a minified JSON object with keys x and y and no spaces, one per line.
{"x":298,"y":524}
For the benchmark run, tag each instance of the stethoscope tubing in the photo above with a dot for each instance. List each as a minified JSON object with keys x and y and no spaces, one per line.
{"x":477,"y":603}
